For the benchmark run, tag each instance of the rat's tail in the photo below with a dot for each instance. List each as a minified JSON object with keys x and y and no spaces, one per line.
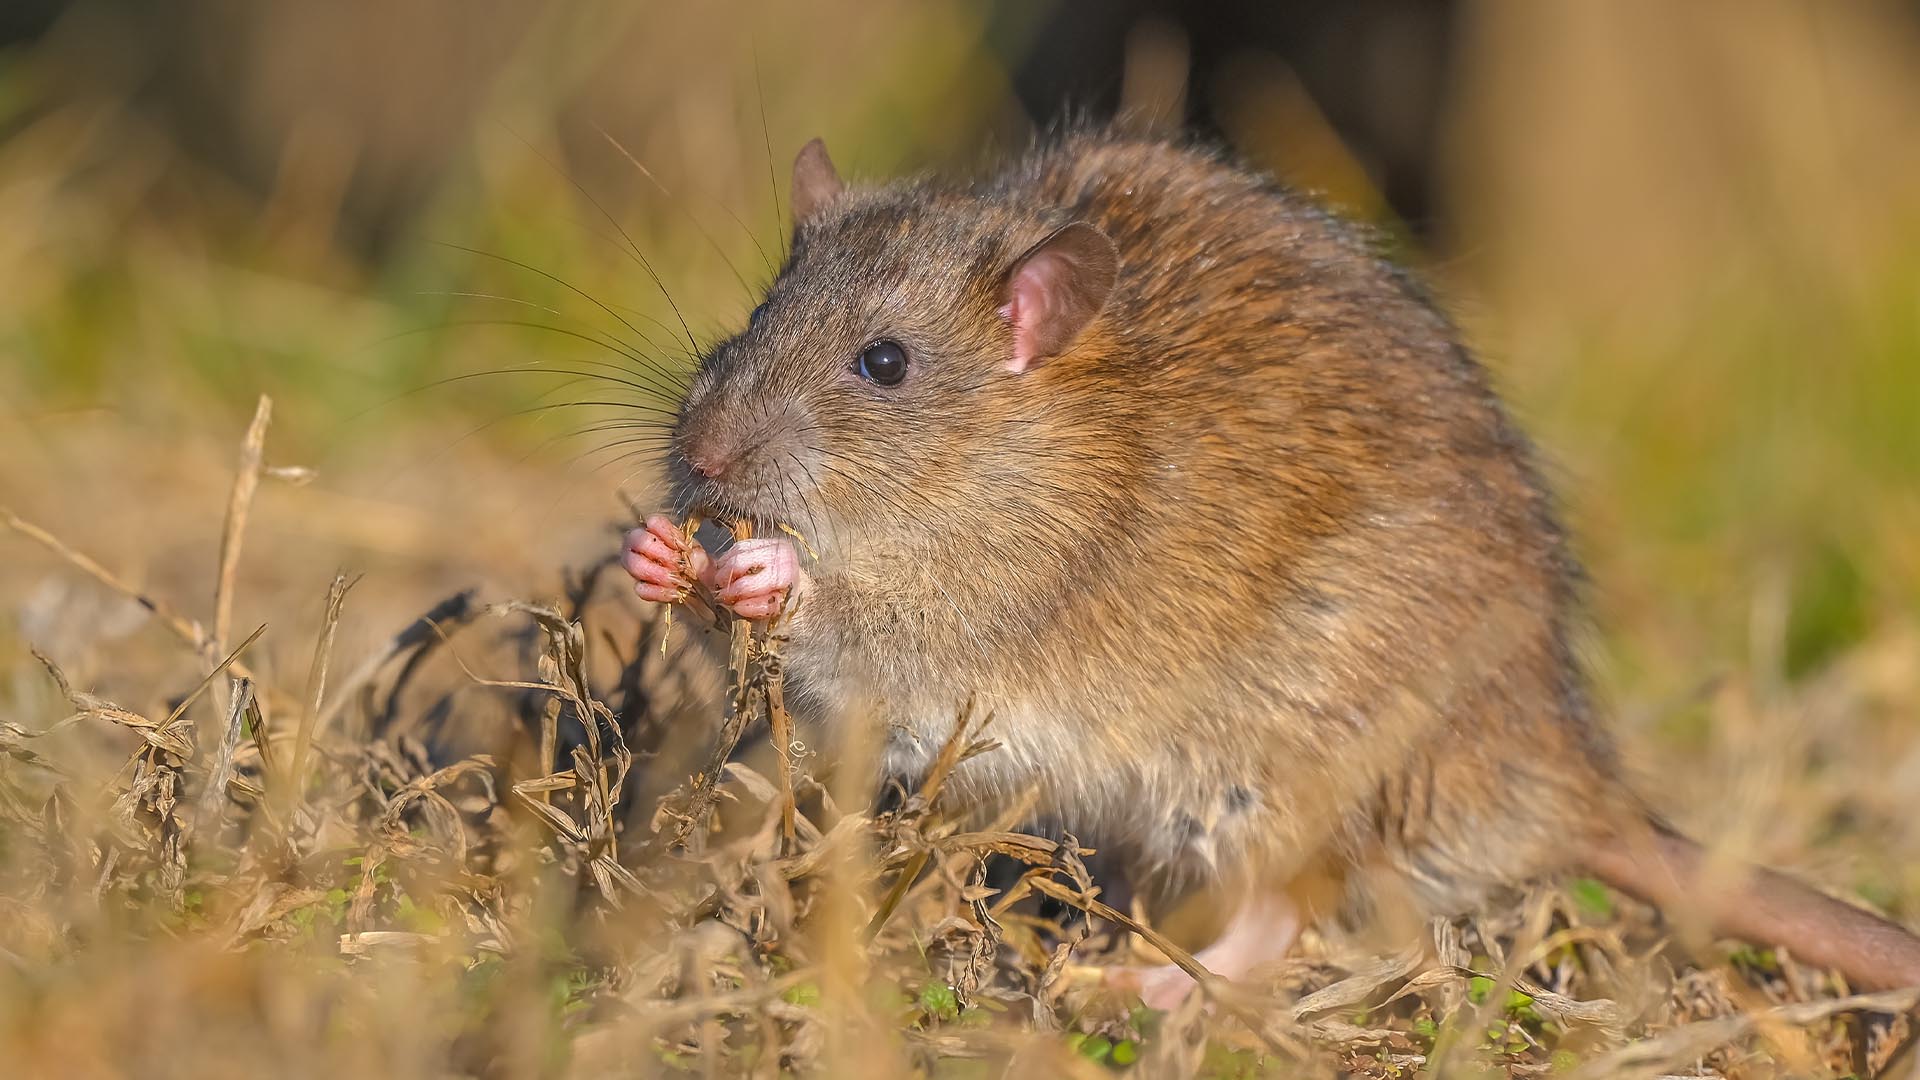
{"x":1673,"y":873}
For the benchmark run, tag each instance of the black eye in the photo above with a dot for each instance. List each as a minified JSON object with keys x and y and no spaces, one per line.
{"x":753,"y":319}
{"x":883,"y":362}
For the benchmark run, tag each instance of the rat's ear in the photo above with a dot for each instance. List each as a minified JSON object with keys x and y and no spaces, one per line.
{"x":1055,"y":290}
{"x":815,"y":182}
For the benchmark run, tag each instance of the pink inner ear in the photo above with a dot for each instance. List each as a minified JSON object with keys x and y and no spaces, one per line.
{"x":1030,"y":301}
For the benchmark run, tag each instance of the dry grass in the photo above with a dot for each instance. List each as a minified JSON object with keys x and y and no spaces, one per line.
{"x":307,"y":872}
{"x":458,"y":812}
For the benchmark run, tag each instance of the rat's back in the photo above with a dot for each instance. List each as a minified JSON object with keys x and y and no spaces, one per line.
{"x":1353,"y":592}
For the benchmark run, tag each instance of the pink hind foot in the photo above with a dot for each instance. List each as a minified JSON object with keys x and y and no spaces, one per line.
{"x":1260,"y":932}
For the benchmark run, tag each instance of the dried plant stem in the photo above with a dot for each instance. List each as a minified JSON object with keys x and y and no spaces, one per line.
{"x":220,"y":771}
{"x":1679,"y":1046}
{"x":950,"y":755}
{"x":742,"y":705}
{"x":781,"y":723}
{"x":549,"y":743}
{"x":1209,"y":983}
{"x":456,"y":608}
{"x":219,"y":666}
{"x":184,"y":628}
{"x":316,"y":684}
{"x":1181,"y":957}
{"x":246,"y":481}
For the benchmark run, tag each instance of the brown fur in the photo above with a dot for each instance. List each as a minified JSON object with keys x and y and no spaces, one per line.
{"x":1256,"y":575}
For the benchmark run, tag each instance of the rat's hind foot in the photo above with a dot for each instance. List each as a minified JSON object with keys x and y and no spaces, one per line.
{"x":1260,"y":932}
{"x":1161,"y":986}
{"x":664,"y":561}
{"x":756,"y":579}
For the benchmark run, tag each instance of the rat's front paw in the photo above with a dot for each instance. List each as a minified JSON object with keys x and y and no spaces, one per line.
{"x":756,"y":579}
{"x":664,"y":561}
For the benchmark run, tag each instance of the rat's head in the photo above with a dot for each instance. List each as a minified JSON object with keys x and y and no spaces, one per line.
{"x":904,"y":347}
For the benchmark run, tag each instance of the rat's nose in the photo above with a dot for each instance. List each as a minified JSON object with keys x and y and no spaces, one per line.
{"x":710,"y":465}
{"x":701,"y":440}
{"x":708,"y":457}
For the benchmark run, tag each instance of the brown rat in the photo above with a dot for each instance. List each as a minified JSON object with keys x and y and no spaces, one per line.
{"x":1208,"y":503}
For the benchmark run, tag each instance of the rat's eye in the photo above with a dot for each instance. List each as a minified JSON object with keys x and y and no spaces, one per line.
{"x":884,"y":362}
{"x":753,"y":318}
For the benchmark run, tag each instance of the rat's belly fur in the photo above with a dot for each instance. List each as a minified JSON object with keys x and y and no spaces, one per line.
{"x":1212,"y":794}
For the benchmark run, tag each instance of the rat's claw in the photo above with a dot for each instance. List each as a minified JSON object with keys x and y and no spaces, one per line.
{"x":755,"y":578}
{"x":664,"y":561}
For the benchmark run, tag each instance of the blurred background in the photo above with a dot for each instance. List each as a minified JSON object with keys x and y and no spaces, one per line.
{"x":1686,"y":238}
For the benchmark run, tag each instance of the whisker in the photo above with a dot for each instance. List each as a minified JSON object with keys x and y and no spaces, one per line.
{"x":672,"y":386}
{"x":620,"y":246}
{"x":563,"y":283}
{"x":541,"y":370}
{"x":616,"y":425}
{"x":547,"y":407}
{"x":653,"y":434}
{"x":624,"y":406}
{"x":765,"y":259}
{"x":470,"y":295}
{"x":655,"y":430}
{"x":688,"y":214}
{"x":471,"y":433}
{"x":647,"y":459}
{"x":540,"y":406}
{"x":565,"y":490}
{"x":806,"y":503}
{"x":766,"y":138}
{"x":651,"y":442}
{"x":788,"y":484}
{"x":628,"y":478}
{"x":938,"y":511}
{"x":889,"y":502}
{"x":653,"y":393}
{"x":638,"y":256}
{"x":647,"y":367}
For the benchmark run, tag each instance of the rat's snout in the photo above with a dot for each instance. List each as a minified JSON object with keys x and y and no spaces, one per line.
{"x":703,"y":438}
{"x":734,"y":450}
{"x":709,"y":449}
{"x":707,"y":459}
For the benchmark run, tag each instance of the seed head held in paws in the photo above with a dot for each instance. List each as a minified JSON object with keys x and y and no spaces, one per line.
{"x":1210,"y":506}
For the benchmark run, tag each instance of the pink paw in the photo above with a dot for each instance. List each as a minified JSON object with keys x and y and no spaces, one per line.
{"x":756,"y":578}
{"x":664,"y":561}
{"x":1161,"y":987}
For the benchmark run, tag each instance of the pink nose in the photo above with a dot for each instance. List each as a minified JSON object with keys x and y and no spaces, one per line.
{"x":707,"y":462}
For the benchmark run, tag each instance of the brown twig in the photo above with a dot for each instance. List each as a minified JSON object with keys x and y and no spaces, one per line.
{"x":742,"y":705}
{"x":184,"y":628}
{"x":950,"y":755}
{"x":1180,"y":957}
{"x":246,"y":481}
{"x":456,"y":608}
{"x":781,"y":725}
{"x":317,"y":680}
{"x":221,"y":771}
{"x":549,"y":741}
{"x":1210,"y":984}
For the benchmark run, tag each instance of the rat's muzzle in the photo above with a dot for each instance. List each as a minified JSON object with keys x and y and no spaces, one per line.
{"x":736,"y":461}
